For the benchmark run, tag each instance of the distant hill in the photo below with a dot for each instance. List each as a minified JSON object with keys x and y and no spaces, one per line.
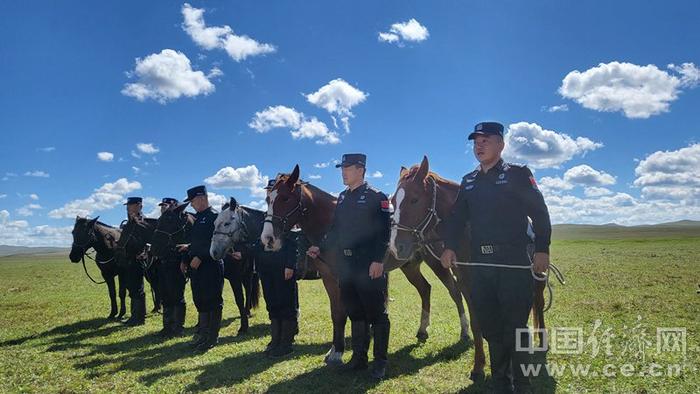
{"x":682,"y":229}
{"x":9,"y":250}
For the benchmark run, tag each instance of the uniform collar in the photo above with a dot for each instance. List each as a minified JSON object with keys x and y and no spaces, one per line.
{"x":204,"y":212}
{"x":499,"y":166}
{"x":360,"y":188}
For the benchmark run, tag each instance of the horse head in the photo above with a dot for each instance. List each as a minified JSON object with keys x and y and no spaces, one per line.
{"x":415,"y":213}
{"x":229,"y":228}
{"x":172,"y":229}
{"x":84,"y":237}
{"x":284,"y":209}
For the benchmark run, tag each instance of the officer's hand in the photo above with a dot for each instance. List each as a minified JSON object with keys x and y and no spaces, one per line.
{"x":313,"y":251}
{"x":288,"y":273}
{"x":183,"y":268}
{"x":195,"y":262}
{"x":183,"y":248}
{"x":448,"y":259}
{"x":376,"y":270}
{"x":541,"y":263}
{"x":236,"y":255}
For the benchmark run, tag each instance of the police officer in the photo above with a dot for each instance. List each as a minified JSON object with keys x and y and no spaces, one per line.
{"x":359,"y":235}
{"x":206,"y":274}
{"x":134,"y":270}
{"x":277,"y":275}
{"x":172,"y":286}
{"x":497,"y":199}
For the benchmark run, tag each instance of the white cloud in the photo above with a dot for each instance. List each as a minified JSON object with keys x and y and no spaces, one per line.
{"x":324,"y":164}
{"x":28,"y":210}
{"x":221,"y":37}
{"x":166,"y":76}
{"x":277,"y":116}
{"x":149,"y":149}
{"x":260,"y":204}
{"x":136,"y":170}
{"x":595,"y":191}
{"x":105,"y":197}
{"x":18,"y":232}
{"x":217,"y":200}
{"x":248,"y":177}
{"x":316,"y":130}
{"x":46,"y":149}
{"x":556,"y":108}
{"x":338,"y":97}
{"x":34,"y":196}
{"x":671,"y":175}
{"x":541,"y":148}
{"x":314,"y":176}
{"x":588,"y":176}
{"x":284,"y":117}
{"x":637,"y":91}
{"x":105,"y":156}
{"x":3,"y":195}
{"x":376,"y":174}
{"x":553,"y":185}
{"x":410,"y":30}
{"x":37,"y":174}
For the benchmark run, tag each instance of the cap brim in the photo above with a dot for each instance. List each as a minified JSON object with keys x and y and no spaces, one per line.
{"x":474,"y":134}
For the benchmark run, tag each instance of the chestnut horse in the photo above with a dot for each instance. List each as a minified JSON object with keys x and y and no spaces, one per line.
{"x":422,"y":199}
{"x":293,"y":202}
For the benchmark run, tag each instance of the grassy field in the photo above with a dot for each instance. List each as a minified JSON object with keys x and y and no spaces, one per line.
{"x":54,"y":338}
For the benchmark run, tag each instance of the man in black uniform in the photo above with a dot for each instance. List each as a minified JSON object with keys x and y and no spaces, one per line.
{"x":134,"y":270}
{"x":496,"y":199}
{"x":359,"y":235}
{"x":172,"y":285}
{"x":206,"y":274}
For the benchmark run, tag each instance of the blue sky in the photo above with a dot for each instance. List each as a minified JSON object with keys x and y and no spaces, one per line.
{"x":600,"y":99}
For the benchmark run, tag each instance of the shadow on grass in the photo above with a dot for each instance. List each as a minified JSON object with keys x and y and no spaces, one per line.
{"x":77,"y":328}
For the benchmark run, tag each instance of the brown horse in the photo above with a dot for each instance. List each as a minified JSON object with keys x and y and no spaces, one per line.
{"x":422,"y":199}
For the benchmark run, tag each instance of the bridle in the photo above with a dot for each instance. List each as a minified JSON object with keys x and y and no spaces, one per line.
{"x":286,"y":219}
{"x":230,"y":234}
{"x":171,"y":243}
{"x":83,"y":253}
{"x":419,"y":231}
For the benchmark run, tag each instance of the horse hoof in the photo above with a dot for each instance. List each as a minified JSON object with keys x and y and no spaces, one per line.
{"x":422,"y":336}
{"x":112,"y":316}
{"x":476,"y":377}
{"x":333,"y":358}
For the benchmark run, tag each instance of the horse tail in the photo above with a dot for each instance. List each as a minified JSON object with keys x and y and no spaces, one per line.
{"x":255,"y":291}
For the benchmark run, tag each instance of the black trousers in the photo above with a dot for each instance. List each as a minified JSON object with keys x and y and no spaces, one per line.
{"x":207,"y":283}
{"x":502,"y":299}
{"x":134,"y":280}
{"x":281,"y":296}
{"x":152,"y":274}
{"x":171,"y":282}
{"x":365,"y":299}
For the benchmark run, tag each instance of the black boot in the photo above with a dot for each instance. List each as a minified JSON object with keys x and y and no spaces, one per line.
{"x":202,"y":329}
{"x":212,"y":338}
{"x":286,"y":336}
{"x":360,"y":345}
{"x":178,"y":324}
{"x":275,"y":334}
{"x":501,"y":376}
{"x":138,"y":313}
{"x":167,"y":329}
{"x":380,"y":350}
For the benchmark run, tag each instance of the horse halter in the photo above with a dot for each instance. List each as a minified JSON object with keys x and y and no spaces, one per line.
{"x":285,"y":220}
{"x":171,"y":235}
{"x":229,"y":234}
{"x":423,"y":226}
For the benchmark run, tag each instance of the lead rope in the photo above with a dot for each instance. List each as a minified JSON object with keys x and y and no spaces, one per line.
{"x":86,"y":271}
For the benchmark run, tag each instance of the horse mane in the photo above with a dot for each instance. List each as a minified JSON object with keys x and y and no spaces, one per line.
{"x":414,"y":169}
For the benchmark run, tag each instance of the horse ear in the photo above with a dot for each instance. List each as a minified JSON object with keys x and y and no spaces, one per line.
{"x":403,"y":171}
{"x":233,"y":204}
{"x":422,"y":172}
{"x":294,"y":177}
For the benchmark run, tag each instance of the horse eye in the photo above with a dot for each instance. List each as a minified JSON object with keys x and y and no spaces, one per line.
{"x":226,"y":224}
{"x":414,"y":200}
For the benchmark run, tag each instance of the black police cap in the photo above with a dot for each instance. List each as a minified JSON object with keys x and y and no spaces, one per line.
{"x":196,"y":191}
{"x":167,"y":201}
{"x":350,"y":159}
{"x":487,"y":128}
{"x":133,"y":200}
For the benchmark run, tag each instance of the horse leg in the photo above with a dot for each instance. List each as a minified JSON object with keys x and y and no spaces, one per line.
{"x":538,"y":310}
{"x":445,"y":276}
{"x":416,"y":278}
{"x":237,"y":288}
{"x":111,"y":289}
{"x":122,"y":295}
{"x":334,"y":356}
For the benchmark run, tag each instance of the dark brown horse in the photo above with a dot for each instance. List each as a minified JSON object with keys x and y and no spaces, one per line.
{"x":422,"y":199}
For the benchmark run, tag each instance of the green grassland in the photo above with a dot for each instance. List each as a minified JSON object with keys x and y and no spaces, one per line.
{"x":54,"y":336}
